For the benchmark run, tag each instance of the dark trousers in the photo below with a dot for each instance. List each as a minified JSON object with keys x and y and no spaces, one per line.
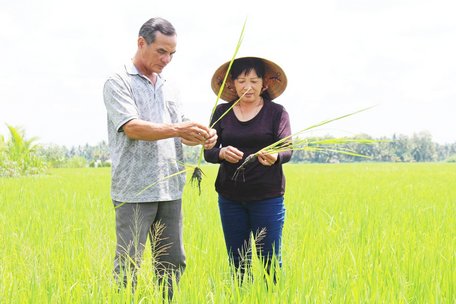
{"x":264,"y":219}
{"x":162,"y":223}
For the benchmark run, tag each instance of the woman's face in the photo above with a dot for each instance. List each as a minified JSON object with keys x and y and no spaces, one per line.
{"x":250,"y":80}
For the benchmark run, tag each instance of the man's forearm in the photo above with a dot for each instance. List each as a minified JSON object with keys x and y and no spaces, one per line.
{"x":144,"y":130}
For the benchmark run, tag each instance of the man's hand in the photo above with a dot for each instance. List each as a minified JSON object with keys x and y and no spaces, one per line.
{"x":193,"y":133}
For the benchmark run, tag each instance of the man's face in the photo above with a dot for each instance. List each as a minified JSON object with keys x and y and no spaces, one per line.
{"x":155,"y":56}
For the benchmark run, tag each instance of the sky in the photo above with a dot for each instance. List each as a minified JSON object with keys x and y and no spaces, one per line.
{"x":339,"y":56}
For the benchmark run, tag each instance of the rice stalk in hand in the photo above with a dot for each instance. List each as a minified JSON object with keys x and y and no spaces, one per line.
{"x":197,"y":175}
{"x":230,"y":108}
{"x":163,"y":179}
{"x":186,"y":169}
{"x":322,"y":145}
{"x":241,"y":169}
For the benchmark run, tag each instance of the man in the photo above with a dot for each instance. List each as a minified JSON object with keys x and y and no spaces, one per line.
{"x":146,"y":132}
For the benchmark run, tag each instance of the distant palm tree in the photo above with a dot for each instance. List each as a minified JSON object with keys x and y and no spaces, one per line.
{"x":18,"y":147}
{"x":17,"y":155}
{"x":2,"y":143}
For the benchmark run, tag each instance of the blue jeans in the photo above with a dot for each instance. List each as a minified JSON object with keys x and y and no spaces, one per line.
{"x":263,"y":218}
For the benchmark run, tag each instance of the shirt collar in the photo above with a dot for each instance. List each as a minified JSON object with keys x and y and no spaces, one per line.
{"x":131,"y":69}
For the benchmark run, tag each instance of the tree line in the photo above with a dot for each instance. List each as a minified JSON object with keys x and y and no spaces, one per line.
{"x":24,"y":156}
{"x":399,"y":148}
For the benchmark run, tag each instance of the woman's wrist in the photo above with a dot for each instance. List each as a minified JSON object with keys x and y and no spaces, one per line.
{"x":222,"y":154}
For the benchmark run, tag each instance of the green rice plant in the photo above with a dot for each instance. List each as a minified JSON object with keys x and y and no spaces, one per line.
{"x":197,"y":174}
{"x":186,"y":169}
{"x":354,"y":233}
{"x":293,"y":142}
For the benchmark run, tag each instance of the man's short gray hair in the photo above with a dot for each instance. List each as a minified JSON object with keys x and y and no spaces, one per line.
{"x":153,"y":25}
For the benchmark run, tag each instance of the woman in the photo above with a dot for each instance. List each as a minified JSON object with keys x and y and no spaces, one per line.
{"x":253,"y":203}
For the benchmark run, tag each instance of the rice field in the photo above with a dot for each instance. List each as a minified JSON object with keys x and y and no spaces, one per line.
{"x":354,"y":233}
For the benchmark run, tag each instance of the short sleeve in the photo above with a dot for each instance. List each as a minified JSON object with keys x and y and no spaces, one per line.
{"x":119,"y":103}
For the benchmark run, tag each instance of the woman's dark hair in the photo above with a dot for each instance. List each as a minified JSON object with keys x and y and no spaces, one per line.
{"x":153,"y":25}
{"x":247,"y":64}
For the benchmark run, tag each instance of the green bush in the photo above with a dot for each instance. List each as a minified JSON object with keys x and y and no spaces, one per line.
{"x":451,"y":159}
{"x":75,"y":162}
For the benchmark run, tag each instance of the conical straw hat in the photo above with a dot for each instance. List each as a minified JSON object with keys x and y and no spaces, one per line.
{"x":274,"y":77}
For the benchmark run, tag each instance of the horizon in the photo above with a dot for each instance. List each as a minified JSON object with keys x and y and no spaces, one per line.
{"x":45,"y":144}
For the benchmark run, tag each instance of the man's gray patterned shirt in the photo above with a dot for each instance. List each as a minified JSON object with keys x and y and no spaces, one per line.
{"x":141,"y":169}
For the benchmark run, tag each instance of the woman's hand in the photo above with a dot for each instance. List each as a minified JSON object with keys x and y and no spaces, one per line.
{"x":267,"y":159}
{"x":230,"y":154}
{"x":210,"y":142}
